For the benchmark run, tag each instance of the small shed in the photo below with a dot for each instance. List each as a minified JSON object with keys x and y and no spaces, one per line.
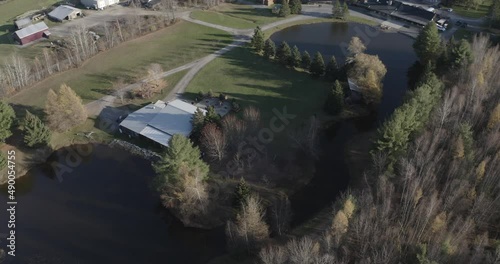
{"x":64,"y":12}
{"x":22,"y":23}
{"x":31,"y":33}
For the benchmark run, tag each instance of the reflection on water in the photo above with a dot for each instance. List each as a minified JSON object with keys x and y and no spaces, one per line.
{"x":331,"y":39}
{"x":102,"y":212}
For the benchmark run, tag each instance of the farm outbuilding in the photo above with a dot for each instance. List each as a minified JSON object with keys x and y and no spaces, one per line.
{"x":99,"y":4}
{"x":64,"y":12}
{"x":31,"y":33}
{"x":22,"y":23}
{"x":160,"y":121}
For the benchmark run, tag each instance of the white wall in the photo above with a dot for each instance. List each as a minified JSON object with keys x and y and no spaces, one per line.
{"x":100,"y":4}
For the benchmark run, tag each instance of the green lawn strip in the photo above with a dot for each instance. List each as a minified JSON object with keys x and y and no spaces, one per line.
{"x":171,"y":47}
{"x":463,"y":33}
{"x":221,"y":19}
{"x":482,"y":10}
{"x":238,"y":16}
{"x":254,"y":80}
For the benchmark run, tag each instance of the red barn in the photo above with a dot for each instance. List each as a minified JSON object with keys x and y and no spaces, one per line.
{"x":32,"y":33}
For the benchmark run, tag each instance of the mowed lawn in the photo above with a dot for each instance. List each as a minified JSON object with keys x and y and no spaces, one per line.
{"x":482,"y":10}
{"x":171,"y":47}
{"x":8,"y":13}
{"x":237,"y":16}
{"x":253,"y":80}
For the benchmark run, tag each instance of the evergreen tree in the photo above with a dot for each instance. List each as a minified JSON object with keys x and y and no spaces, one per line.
{"x":332,"y":69}
{"x":460,"y":54}
{"x":295,"y":6}
{"x":285,"y":9}
{"x":198,"y":123}
{"x":180,"y":152}
{"x":269,"y":49}
{"x":297,"y":58}
{"x":212,"y":116}
{"x":336,"y":9}
{"x":7,"y":116}
{"x":318,"y":65}
{"x":428,"y":44}
{"x":257,"y":41}
{"x":306,"y":60}
{"x":345,"y":10}
{"x":284,"y":53}
{"x":36,"y":133}
{"x":64,"y":109}
{"x":335,"y":101}
{"x":242,"y":193}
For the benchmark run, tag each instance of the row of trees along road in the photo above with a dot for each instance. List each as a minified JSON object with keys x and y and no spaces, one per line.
{"x":340,"y":11}
{"x":432,"y":192}
{"x":290,"y":7}
{"x":365,"y":70}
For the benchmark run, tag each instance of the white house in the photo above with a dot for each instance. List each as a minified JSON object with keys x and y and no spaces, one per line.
{"x":98,"y":4}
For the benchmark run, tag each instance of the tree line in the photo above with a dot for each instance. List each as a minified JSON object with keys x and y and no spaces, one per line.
{"x":432,"y":193}
{"x":83,"y":43}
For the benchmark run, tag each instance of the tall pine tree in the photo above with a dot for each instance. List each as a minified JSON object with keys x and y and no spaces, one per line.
{"x":306,"y":60}
{"x":285,"y":9}
{"x":269,"y":49}
{"x":332,"y":69}
{"x":284,"y":53}
{"x":181,"y":152}
{"x":257,"y":41}
{"x":295,"y":6}
{"x":428,"y":44}
{"x":241,"y":193}
{"x":7,"y":116}
{"x":335,"y":101}
{"x":318,"y":65}
{"x":296,"y":57}
{"x":36,"y":133}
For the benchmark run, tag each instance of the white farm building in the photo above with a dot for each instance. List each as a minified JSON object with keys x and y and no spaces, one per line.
{"x":160,"y":121}
{"x":98,"y":4}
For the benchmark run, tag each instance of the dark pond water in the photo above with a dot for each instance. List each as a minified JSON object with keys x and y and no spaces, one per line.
{"x":102,"y":212}
{"x":331,"y":39}
{"x":395,"y":50}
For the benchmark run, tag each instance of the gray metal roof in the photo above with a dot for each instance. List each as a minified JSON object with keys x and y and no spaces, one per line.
{"x":63,"y":11}
{"x":22,"y":23}
{"x":160,"y":121}
{"x":32,"y":29}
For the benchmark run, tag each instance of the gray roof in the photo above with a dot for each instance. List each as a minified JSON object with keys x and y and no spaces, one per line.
{"x":61,"y":12}
{"x":160,"y":121}
{"x":22,"y":23}
{"x":32,"y":29}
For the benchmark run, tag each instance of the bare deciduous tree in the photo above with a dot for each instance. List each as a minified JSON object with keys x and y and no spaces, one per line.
{"x":214,"y":142}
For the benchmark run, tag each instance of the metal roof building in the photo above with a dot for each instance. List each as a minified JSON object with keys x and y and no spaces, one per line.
{"x":22,"y":23}
{"x":64,"y":12}
{"x":160,"y":121}
{"x":99,"y":4}
{"x":31,"y":33}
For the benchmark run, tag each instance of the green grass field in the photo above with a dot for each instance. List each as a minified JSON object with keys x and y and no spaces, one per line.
{"x":238,"y":16}
{"x":254,"y":80}
{"x":171,"y":47}
{"x":482,"y":11}
{"x":8,"y":13}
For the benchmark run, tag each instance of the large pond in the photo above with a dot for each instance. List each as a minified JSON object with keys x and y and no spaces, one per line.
{"x":396,"y":52}
{"x":102,"y":211}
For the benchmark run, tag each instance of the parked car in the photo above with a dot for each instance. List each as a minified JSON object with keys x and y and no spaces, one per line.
{"x":458,"y":23}
{"x":464,"y":25}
